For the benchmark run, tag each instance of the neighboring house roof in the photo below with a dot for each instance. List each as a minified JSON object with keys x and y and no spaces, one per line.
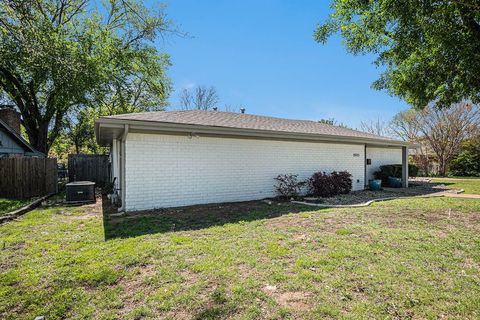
{"x":19,"y":139}
{"x":230,"y":123}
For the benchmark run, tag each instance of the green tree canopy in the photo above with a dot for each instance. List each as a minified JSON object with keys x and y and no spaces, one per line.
{"x":430,"y":49}
{"x":58,"y":57}
{"x":467,"y":162}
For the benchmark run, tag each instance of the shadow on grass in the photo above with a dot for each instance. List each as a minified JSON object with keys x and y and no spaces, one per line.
{"x":191,"y":217}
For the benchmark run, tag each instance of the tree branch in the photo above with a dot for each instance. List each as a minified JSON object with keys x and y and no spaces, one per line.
{"x":468,"y":18}
{"x":57,"y":127}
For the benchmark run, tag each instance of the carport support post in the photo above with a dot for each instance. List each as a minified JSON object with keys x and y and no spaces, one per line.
{"x":405,"y":167}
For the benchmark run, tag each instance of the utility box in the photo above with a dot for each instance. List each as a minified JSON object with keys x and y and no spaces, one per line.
{"x":80,"y":192}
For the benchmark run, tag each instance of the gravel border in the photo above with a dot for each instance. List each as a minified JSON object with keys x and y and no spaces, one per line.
{"x":441,"y":193}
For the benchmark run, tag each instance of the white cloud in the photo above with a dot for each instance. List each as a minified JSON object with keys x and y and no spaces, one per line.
{"x":189,"y":85}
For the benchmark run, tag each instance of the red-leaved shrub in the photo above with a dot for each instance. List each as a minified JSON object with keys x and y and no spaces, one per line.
{"x":327,"y":185}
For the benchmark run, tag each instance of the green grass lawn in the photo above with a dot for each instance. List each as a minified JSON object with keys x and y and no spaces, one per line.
{"x":463,"y":178}
{"x":8,"y":205}
{"x":402,"y":259}
{"x":471,"y":185}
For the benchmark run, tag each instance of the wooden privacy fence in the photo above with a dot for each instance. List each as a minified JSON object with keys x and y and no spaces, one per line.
{"x":27,"y":177}
{"x":89,"y":167}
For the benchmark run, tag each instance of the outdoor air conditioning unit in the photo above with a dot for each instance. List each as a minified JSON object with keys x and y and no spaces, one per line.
{"x":80,"y":192}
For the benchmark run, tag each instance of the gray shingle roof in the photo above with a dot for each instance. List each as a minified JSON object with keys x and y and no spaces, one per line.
{"x":245,"y":121}
{"x":17,"y":137}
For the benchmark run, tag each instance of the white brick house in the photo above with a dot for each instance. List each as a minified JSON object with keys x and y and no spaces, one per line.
{"x":179,"y":158}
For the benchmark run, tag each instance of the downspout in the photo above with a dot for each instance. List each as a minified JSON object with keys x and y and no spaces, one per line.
{"x":122,"y":168}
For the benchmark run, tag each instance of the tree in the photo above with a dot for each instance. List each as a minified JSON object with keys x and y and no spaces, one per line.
{"x":200,"y":98}
{"x":405,"y":126}
{"x":57,"y":57}
{"x":467,"y":162}
{"x":80,"y":131}
{"x":430,"y":49}
{"x":442,"y":130}
{"x":378,"y":127}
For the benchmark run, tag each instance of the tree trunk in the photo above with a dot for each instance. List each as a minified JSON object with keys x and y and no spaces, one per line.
{"x":442,"y":166}
{"x":425,"y":165}
{"x":77,"y":147}
{"x":38,"y":137}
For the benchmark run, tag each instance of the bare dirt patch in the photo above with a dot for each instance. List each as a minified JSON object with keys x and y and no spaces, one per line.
{"x":469,"y":263}
{"x":136,"y":283}
{"x":188,"y":276}
{"x":296,"y":300}
{"x":197,"y":211}
{"x":178,"y":315}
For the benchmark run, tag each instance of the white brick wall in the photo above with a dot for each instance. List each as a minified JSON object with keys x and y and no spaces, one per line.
{"x":382,"y":156}
{"x":169,"y":171}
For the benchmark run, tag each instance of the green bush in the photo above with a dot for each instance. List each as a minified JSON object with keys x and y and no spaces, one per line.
{"x":467,"y":162}
{"x":391,"y":170}
{"x":413,"y":170}
{"x":394,"y":170}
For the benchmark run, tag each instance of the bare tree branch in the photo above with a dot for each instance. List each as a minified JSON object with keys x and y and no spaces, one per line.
{"x":439,"y":132}
{"x":378,"y":127}
{"x":200,"y":98}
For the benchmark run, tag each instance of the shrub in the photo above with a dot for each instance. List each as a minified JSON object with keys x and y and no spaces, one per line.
{"x":466,"y":164}
{"x":343,"y":181}
{"x":321,"y":185}
{"x":288,"y":186}
{"x":327,"y":185}
{"x":413,"y":170}
{"x":391,"y":170}
{"x":394,"y":170}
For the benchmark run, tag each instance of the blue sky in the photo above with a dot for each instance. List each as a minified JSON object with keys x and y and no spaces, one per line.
{"x":261,"y":55}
